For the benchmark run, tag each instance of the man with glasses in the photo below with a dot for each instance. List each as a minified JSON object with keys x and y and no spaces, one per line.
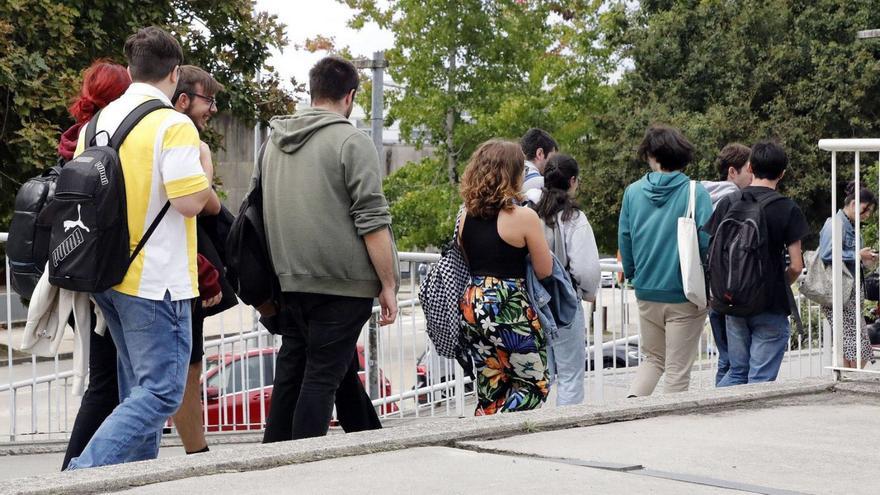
{"x":195,"y":97}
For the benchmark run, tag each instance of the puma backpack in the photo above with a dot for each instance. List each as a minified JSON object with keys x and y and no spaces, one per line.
{"x":89,"y":248}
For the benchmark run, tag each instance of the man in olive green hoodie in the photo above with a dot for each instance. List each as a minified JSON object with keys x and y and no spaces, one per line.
{"x":328,"y":228}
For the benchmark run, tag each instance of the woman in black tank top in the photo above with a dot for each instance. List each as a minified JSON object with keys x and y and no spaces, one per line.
{"x":506,"y":341}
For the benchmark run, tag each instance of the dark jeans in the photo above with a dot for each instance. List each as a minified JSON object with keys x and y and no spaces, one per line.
{"x":100,"y":398}
{"x":719,"y":332}
{"x":317,"y":366}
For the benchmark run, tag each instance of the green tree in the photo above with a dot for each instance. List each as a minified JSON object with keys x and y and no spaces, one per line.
{"x":45,"y":45}
{"x":477,"y":69}
{"x":746,"y":70}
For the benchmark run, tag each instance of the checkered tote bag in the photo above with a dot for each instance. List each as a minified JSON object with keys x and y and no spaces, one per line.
{"x":440,"y":293}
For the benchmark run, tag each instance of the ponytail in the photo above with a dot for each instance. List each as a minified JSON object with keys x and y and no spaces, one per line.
{"x":558,"y":173}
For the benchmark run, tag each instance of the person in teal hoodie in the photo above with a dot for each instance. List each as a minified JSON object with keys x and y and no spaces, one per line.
{"x":670,"y":324}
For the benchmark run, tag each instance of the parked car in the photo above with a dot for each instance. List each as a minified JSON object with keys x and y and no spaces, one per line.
{"x":607,"y":279}
{"x":618,"y":353}
{"x":234,"y":390}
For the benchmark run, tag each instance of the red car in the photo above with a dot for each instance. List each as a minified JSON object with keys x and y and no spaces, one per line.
{"x":236,"y":381}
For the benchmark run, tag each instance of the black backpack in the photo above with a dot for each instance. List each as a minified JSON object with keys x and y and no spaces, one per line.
{"x":28,"y":245}
{"x":739,"y":257}
{"x":89,"y":247}
{"x":247,"y":249}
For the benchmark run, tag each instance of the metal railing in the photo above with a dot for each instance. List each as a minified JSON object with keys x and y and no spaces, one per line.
{"x":857,"y":147}
{"x":399,"y":369}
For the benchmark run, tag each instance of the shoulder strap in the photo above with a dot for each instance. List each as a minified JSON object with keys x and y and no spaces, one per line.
{"x":92,"y":128}
{"x":559,"y":241}
{"x":132,"y":119}
{"x":692,"y":199}
{"x":458,"y":220}
{"x":259,"y":163}
{"x":149,"y":232}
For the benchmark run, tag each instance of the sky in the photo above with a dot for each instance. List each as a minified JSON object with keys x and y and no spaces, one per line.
{"x":308,"y":18}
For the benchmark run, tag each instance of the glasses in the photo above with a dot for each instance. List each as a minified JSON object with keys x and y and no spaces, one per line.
{"x":211,"y":101}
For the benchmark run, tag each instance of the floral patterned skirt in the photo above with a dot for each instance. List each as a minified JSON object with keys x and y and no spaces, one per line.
{"x":506,"y":343}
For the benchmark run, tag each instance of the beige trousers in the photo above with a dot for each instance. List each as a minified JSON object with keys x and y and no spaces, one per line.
{"x":670,"y":336}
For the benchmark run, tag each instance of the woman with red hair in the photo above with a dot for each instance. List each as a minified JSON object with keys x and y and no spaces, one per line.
{"x":103,"y":82}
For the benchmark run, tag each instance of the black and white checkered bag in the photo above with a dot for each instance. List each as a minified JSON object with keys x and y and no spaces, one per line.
{"x":440,"y":293}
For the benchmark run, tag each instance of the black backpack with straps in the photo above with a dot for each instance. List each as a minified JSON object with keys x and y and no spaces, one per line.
{"x":89,"y":246}
{"x":739,"y":257}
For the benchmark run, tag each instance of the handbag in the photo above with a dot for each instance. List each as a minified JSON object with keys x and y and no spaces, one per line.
{"x":440,"y":294}
{"x":693,"y":278}
{"x":817,"y":286}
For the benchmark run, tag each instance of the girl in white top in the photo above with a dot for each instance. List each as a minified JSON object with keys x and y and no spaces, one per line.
{"x":559,"y":211}
{"x":571,"y":239}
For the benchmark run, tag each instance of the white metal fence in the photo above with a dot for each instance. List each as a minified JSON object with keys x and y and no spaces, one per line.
{"x":398,"y":368}
{"x":856,"y":147}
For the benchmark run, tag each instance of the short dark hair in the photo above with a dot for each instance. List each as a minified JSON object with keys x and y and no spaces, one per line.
{"x":332,"y":78}
{"x":734,"y":155}
{"x":152,"y":54}
{"x":191,"y":77}
{"x":668,"y":146}
{"x":866,"y":196}
{"x":535,"y":139}
{"x":768,"y":160}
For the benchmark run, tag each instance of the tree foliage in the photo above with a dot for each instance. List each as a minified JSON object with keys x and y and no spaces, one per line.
{"x":45,"y":45}
{"x":476,"y":69}
{"x":746,"y":70}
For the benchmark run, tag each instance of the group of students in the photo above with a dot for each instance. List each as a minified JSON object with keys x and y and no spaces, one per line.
{"x":145,"y":332}
{"x":519,"y":221}
{"x":519,"y":199}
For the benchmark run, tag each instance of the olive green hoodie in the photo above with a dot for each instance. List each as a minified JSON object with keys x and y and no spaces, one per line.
{"x":321,"y":194}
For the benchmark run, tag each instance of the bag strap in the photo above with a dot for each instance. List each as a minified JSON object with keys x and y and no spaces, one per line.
{"x":128,"y":123}
{"x":132,"y":119}
{"x":559,"y":241}
{"x":458,"y":220}
{"x":692,"y":200}
{"x":92,"y":128}
{"x":149,"y":232}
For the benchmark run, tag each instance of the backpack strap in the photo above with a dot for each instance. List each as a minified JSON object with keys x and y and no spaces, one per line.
{"x":149,"y":232}
{"x":92,"y":129}
{"x":131,"y":120}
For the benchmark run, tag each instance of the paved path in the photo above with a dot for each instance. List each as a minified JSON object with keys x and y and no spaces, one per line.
{"x":813,"y":444}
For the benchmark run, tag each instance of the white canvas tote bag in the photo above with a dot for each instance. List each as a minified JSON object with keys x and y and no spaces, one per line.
{"x":692,"y":277}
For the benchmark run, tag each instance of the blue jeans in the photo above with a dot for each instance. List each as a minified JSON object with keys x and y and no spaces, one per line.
{"x":719,"y":333}
{"x":566,"y":360}
{"x":755,"y":346}
{"x":153,"y":342}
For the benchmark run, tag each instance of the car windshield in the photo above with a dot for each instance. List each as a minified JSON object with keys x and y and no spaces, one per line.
{"x":214,"y":380}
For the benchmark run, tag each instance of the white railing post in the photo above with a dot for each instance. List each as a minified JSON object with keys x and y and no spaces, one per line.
{"x":598,"y":361}
{"x":836,"y":274}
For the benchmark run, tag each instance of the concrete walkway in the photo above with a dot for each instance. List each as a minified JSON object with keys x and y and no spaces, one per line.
{"x":813,"y":436}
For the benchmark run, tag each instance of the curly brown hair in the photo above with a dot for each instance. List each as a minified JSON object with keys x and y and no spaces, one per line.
{"x":493,"y":178}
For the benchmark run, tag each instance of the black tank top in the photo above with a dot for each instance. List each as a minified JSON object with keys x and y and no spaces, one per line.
{"x":487,"y":253}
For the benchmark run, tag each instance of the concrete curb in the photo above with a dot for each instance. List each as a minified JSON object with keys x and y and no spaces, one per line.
{"x":58,"y":446}
{"x":258,"y":457}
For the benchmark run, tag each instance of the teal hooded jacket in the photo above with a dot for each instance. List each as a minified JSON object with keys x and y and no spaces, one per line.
{"x":647,"y":233}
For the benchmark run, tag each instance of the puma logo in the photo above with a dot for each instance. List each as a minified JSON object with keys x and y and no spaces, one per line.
{"x":69,"y":224}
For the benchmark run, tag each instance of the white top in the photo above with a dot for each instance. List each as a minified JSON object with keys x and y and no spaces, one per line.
{"x":532,"y":178}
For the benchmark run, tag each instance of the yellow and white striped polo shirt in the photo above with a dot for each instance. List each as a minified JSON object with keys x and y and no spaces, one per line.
{"x":160,"y":160}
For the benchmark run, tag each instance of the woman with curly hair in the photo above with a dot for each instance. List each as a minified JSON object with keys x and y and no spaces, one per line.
{"x":507,"y":344}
